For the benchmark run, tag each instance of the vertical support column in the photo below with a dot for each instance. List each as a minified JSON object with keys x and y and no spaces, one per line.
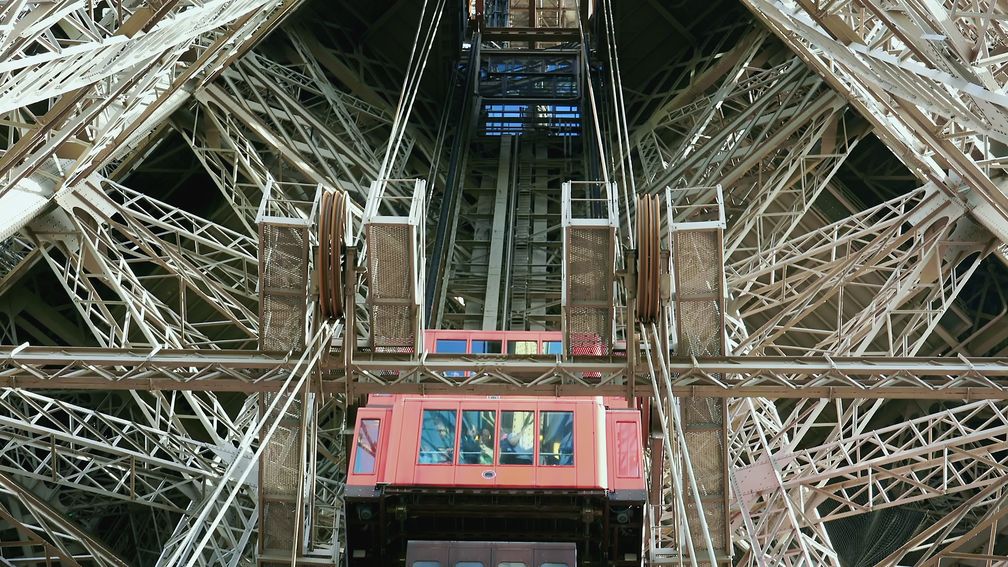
{"x":539,"y":240}
{"x":698,"y":271}
{"x":283,"y":305}
{"x":497,"y":238}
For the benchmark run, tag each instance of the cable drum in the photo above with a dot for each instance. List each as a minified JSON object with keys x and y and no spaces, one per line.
{"x":331,"y":229}
{"x":648,"y":258}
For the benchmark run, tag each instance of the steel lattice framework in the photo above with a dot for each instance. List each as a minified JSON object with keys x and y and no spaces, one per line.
{"x":169,"y":394}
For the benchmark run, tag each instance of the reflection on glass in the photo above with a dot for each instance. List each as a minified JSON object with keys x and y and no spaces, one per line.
{"x":517,"y":432}
{"x":552,"y":347}
{"x":486,"y":347}
{"x":523,"y":347}
{"x":367,"y":447}
{"x":451,"y":346}
{"x":437,"y":437}
{"x":476,"y":445}
{"x":556,"y":434}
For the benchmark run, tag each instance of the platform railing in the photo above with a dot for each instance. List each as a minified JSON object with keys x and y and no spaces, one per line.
{"x":395,"y":259}
{"x":589,"y":219}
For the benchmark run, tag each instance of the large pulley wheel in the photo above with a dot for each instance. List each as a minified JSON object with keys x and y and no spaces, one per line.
{"x":649,"y":258}
{"x":331,"y":229}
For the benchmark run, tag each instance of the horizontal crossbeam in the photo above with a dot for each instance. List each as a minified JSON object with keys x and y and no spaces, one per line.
{"x":769,"y":377}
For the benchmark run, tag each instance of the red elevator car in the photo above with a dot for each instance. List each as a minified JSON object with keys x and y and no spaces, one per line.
{"x":495,"y":469}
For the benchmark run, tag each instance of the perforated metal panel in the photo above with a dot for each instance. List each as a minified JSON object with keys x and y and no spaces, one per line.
{"x":283,"y":304}
{"x":282,"y":321}
{"x":284,"y":251}
{"x":280,"y":461}
{"x":706,"y":455}
{"x":715,"y":526}
{"x":283,"y":286}
{"x":392,"y":286}
{"x":700,"y":327}
{"x":588,"y":216}
{"x":702,"y":410}
{"x":589,"y":289}
{"x":589,"y":258}
{"x":389,"y":260}
{"x":392,"y":326}
{"x":277,"y":527}
{"x":699,"y":274}
{"x":586,"y":327}
{"x":279,"y":473}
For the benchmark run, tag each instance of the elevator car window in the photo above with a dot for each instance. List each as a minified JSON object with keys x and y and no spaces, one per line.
{"x":437,"y":437}
{"x":556,"y":438}
{"x":476,"y":444}
{"x":516,"y":437}
{"x":367,"y":447}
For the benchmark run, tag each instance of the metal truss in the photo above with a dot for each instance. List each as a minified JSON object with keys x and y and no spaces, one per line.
{"x":831,"y":260}
{"x":886,"y":468}
{"x":221,"y":525}
{"x":750,"y":116}
{"x":134,"y":81}
{"x":721,"y":138}
{"x":889,"y":467}
{"x":828,"y":301}
{"x":975,"y":518}
{"x":762,"y":377}
{"x":233,"y":163}
{"x":45,"y":534}
{"x":67,"y":445}
{"x":786,"y":536}
{"x":17,"y":255}
{"x":936,"y":104}
{"x":117,"y":239}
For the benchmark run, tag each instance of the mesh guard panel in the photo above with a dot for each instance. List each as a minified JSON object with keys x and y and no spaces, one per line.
{"x":389,"y":255}
{"x":589,"y":255}
{"x":284,"y":250}
{"x":696,"y":269}
{"x":283,"y":304}
{"x":699,"y":271}
{"x":391,"y":281}
{"x":282,"y":322}
{"x":700,"y":327}
{"x":283,"y":286}
{"x":278,"y":525}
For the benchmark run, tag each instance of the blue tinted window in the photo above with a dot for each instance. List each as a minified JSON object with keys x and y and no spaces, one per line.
{"x":517,"y":435}
{"x":486,"y":347}
{"x":367,"y":447}
{"x":556,"y":438}
{"x":450,"y":346}
{"x":437,"y":437}
{"x":476,"y":442}
{"x":553,"y":347}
